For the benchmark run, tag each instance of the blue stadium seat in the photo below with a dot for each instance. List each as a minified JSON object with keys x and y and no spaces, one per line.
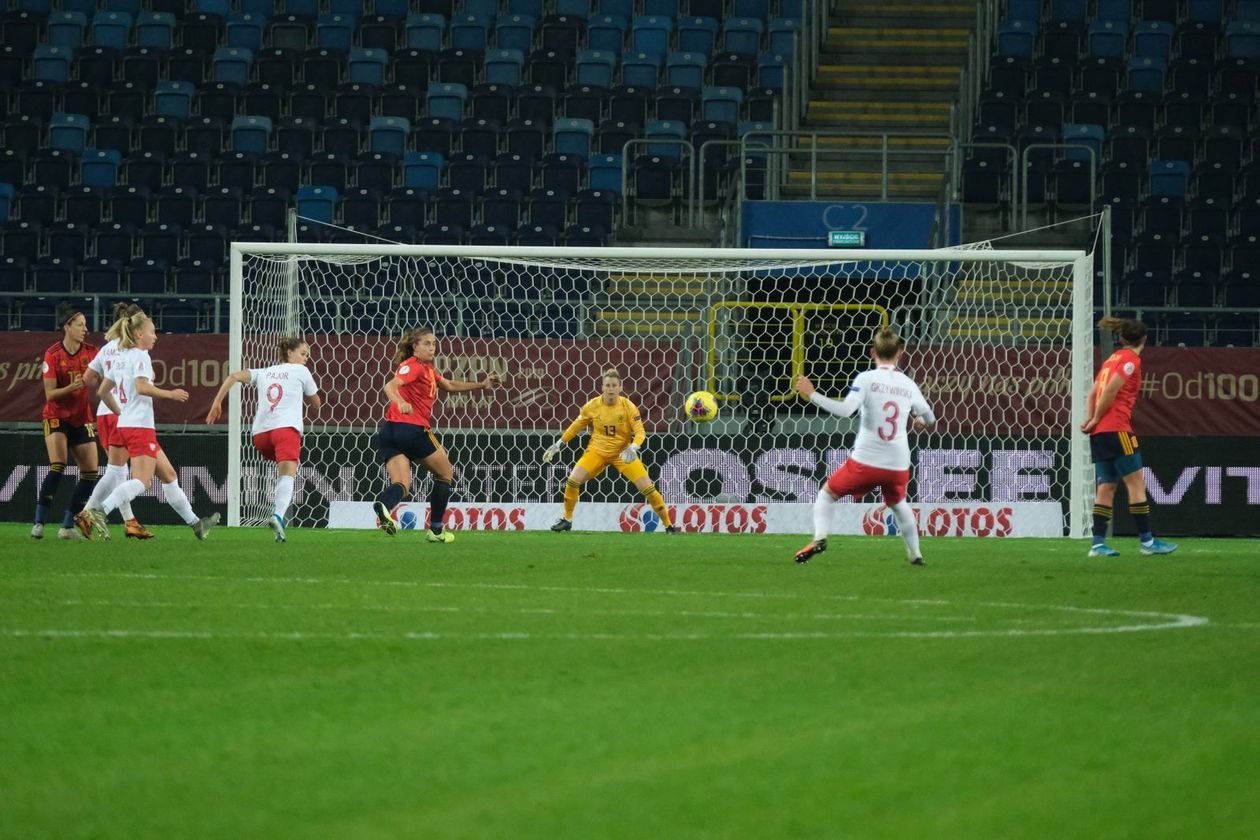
{"x":446,"y":101}
{"x":742,"y":36}
{"x":368,"y":66}
{"x":388,"y":135}
{"x":515,"y":32}
{"x":1146,"y":73}
{"x":68,"y":132}
{"x":1242,"y":39}
{"x":641,"y":70}
{"x":52,"y":63}
{"x":111,"y":29}
{"x":99,"y":167}
{"x":573,"y":136}
{"x":334,"y":32}
{"x":232,"y":64}
{"x":173,"y":99}
{"x":504,"y":67}
{"x":606,"y":32}
{"x":1168,"y":177}
{"x":697,"y":35}
{"x":66,"y":29}
{"x":425,"y":32}
{"x":651,"y":34}
{"x":606,"y":173}
{"x":595,"y":68}
{"x":251,"y":134}
{"x":1016,"y":38}
{"x":783,"y":34}
{"x":245,"y":30}
{"x":686,"y":69}
{"x":423,"y":170}
{"x":470,"y":32}
{"x":155,"y":29}
{"x":721,"y":104}
{"x":316,"y":202}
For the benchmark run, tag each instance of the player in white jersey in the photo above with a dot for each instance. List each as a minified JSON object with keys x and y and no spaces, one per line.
{"x":283,"y":390}
{"x":106,"y":422}
{"x":888,"y":400}
{"x":128,"y":391}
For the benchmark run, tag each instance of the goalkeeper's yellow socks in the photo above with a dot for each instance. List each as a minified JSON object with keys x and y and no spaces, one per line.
{"x":571,"y":492}
{"x":654,"y":499}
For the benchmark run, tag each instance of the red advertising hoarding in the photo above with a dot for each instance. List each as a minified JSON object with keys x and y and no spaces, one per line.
{"x":1023,"y":391}
{"x":546,"y":380}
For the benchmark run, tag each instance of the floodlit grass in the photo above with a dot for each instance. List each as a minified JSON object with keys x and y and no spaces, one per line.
{"x":638,"y":685}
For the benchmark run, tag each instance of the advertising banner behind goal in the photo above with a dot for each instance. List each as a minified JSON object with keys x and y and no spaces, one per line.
{"x":946,"y":519}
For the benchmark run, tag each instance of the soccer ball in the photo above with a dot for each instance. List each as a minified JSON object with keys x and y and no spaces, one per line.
{"x":700,"y":407}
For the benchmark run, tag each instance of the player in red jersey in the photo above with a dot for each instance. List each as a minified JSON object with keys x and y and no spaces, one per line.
{"x":406,"y":436}
{"x":68,"y":422}
{"x":1113,"y":445}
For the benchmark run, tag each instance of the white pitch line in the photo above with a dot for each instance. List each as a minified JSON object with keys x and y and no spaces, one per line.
{"x":1163,"y":620}
{"x":393,"y":608}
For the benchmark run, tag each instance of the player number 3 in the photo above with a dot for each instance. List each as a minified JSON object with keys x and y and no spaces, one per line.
{"x":888,"y":429}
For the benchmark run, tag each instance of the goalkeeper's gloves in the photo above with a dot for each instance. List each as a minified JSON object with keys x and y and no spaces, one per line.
{"x":550,"y":453}
{"x":630,"y":454}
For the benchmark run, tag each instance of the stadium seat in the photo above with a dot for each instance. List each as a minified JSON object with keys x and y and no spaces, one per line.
{"x":334,"y":32}
{"x":606,"y":32}
{"x":434,"y":134}
{"x":504,"y":67}
{"x":641,"y":69}
{"x":100,"y":276}
{"x":573,"y":136}
{"x":155,"y":29}
{"x":685,"y":69}
{"x":99,"y":167}
{"x":316,"y":202}
{"x":514,"y":172}
{"x":606,"y":173}
{"x":245,"y":30}
{"x":232,"y":64}
{"x":595,"y":68}
{"x":423,"y":170}
{"x":388,"y":135}
{"x":501,"y":208}
{"x":446,"y":101}
{"x":367,"y":66}
{"x":515,"y":32}
{"x":563,"y":172}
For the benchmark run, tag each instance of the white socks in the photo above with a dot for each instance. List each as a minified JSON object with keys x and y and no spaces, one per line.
{"x":176,"y":499}
{"x":907,"y":528}
{"x":284,"y":494}
{"x":114,"y":475}
{"x":901,"y":512}
{"x":123,"y":494}
{"x":822,"y":513}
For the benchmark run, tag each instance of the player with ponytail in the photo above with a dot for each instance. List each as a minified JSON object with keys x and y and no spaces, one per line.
{"x":1112,"y":444}
{"x":283,"y":390}
{"x":129,"y":392}
{"x":106,"y":423}
{"x":617,"y":434}
{"x":406,"y":435}
{"x":68,"y":422}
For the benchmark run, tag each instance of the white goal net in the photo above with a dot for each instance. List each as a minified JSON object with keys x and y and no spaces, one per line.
{"x":999,"y":340}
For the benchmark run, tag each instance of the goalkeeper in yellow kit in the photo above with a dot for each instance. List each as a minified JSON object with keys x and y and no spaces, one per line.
{"x":616,"y":436}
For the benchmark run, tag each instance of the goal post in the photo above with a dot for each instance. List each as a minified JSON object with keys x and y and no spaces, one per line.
{"x":1001,"y":342}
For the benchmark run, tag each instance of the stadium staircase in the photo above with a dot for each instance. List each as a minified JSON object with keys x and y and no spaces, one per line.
{"x":885,"y":67}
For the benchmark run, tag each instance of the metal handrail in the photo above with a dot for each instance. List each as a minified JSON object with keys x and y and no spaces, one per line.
{"x":884,"y":151}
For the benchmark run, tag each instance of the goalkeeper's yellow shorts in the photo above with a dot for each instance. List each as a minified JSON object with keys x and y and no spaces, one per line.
{"x":595,"y":463}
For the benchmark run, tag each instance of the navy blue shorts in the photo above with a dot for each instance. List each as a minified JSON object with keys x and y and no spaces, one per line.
{"x":416,"y":442}
{"x":1115,"y":455}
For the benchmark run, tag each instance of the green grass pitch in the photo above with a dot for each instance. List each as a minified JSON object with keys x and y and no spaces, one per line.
{"x":624,"y":685}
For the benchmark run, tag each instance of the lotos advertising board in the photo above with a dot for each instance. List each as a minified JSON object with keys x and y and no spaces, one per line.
{"x":960,"y":519}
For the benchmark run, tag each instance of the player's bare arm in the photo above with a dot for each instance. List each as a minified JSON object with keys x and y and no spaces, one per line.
{"x":1105,"y":399}
{"x":106,"y":393}
{"x":805,"y":386}
{"x":492,"y":380}
{"x":52,"y":392}
{"x":146,"y":388}
{"x":216,"y":406}
{"x":91,"y":378}
{"x":312,"y":401}
{"x":393,"y":395}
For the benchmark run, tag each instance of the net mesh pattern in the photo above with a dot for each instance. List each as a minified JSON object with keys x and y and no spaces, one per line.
{"x":989,"y":340}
